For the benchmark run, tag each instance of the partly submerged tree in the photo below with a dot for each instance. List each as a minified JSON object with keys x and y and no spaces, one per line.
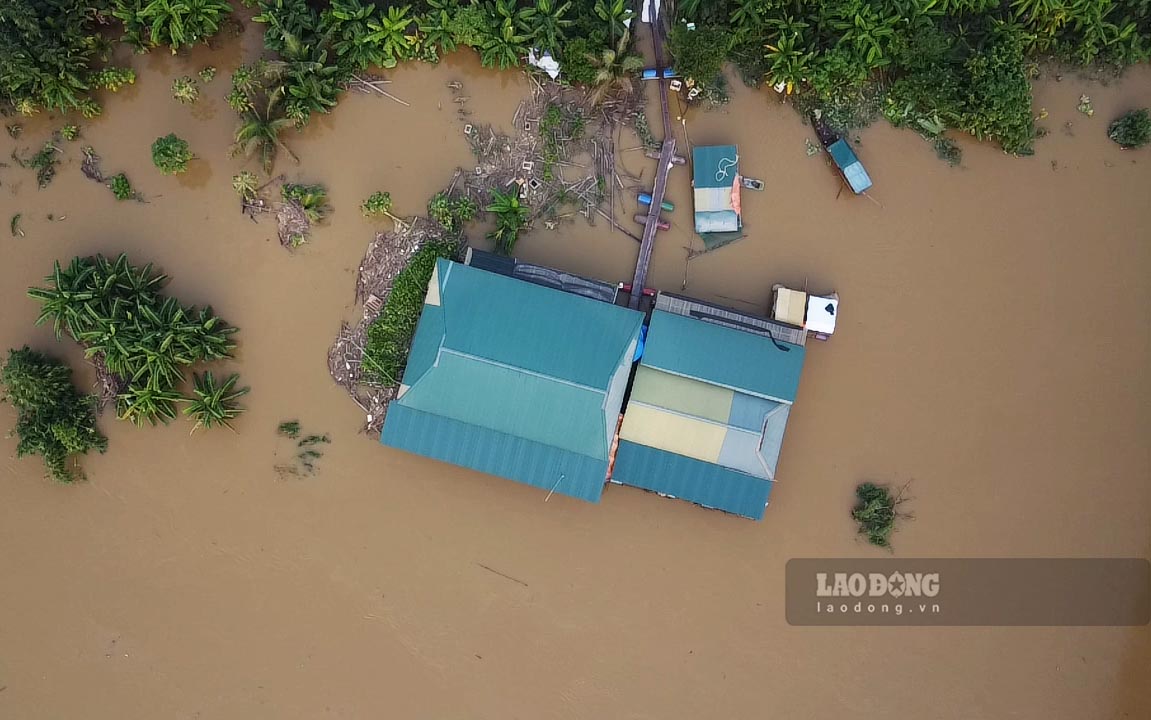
{"x":53,"y":419}
{"x":1132,"y":129}
{"x":170,"y":154}
{"x":213,"y":403}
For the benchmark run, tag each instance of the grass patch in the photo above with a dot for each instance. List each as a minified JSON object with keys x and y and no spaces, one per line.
{"x":390,"y":336}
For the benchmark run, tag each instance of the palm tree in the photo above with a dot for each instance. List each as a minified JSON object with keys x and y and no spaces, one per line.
{"x":614,"y":69}
{"x":260,"y":133}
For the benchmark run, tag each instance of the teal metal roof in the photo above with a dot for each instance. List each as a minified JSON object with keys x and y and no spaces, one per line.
{"x":714,"y":166}
{"x":852,"y":168}
{"x":690,"y":479}
{"x":495,"y":453}
{"x":479,"y":392}
{"x":723,"y":356}
{"x":531,"y":327}
{"x":512,"y":378}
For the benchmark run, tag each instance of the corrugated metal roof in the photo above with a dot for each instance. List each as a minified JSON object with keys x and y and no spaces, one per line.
{"x":512,"y":379}
{"x":532,"y":327}
{"x":534,"y":407}
{"x":692,"y":480}
{"x":723,"y":356}
{"x":714,"y":166}
{"x":542,"y":466}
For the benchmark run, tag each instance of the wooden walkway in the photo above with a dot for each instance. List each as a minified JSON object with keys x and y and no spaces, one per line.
{"x":650,"y":228}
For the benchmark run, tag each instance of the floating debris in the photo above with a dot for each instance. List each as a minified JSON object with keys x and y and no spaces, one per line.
{"x":1085,"y":106}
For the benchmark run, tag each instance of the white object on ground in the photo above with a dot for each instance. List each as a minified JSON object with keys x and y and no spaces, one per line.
{"x":545,"y":62}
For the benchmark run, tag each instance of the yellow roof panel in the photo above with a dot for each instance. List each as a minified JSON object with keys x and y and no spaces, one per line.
{"x":684,"y":395}
{"x":674,"y":433}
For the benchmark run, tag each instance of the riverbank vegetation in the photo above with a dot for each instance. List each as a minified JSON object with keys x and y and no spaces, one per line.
{"x":925,"y":64}
{"x":53,"y":419}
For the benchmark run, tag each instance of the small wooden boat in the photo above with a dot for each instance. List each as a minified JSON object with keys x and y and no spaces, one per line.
{"x":844,"y":157}
{"x":661,"y":224}
{"x":751,"y":183}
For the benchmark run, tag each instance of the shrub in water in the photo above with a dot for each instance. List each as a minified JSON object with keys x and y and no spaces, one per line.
{"x":379,"y":204}
{"x":53,"y":419}
{"x":121,"y":188}
{"x":1131,"y":130}
{"x":876,"y":511}
{"x":170,"y":154}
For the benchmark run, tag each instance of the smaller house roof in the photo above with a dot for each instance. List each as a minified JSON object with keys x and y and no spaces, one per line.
{"x":712,"y":353}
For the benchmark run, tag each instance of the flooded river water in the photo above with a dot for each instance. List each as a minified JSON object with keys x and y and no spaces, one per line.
{"x":993,"y":350}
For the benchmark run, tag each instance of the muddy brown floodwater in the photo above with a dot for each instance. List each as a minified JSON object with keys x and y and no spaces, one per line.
{"x":994,"y":349}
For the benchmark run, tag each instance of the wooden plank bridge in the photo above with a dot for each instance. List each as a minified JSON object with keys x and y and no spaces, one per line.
{"x":666,"y":153}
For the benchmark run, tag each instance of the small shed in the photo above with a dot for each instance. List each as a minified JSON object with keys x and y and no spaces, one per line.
{"x":715,"y":178}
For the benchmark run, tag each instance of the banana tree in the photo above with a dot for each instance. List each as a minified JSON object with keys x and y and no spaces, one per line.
{"x":388,"y":32}
{"x":789,"y":63}
{"x":546,"y":24}
{"x":505,"y":48}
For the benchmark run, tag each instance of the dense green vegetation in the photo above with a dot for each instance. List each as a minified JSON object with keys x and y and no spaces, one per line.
{"x":389,"y":338}
{"x":451,"y":212}
{"x":121,"y":188}
{"x":175,"y":23}
{"x":876,"y":511}
{"x":53,"y":419}
{"x":927,"y":64}
{"x":1132,"y":129}
{"x":144,"y":340}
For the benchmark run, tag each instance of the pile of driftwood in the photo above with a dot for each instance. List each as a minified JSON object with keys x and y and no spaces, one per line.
{"x":385,"y":258}
{"x":582,"y":176}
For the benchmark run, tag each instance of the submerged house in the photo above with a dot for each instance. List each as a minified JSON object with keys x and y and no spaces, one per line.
{"x":515,"y":378}
{"x":709,"y":405}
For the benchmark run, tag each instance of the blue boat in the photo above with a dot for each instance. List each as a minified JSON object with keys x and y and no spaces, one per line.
{"x":852,"y":170}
